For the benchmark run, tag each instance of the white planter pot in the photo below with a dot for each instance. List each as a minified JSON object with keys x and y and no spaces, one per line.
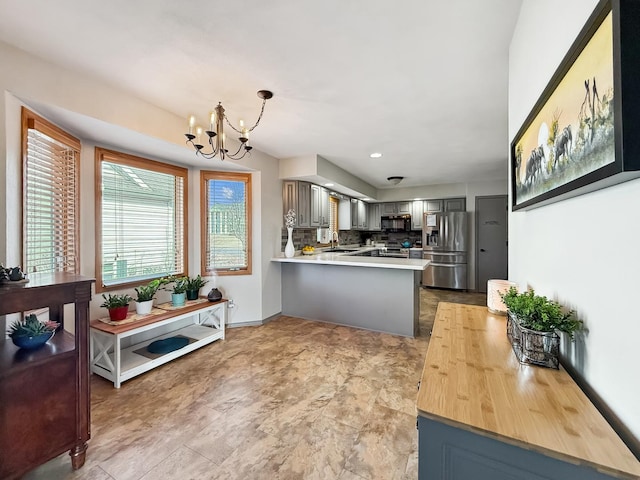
{"x":144,"y":308}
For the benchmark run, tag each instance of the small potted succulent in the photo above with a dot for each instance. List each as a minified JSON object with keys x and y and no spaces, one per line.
{"x":145,"y":295}
{"x":118,"y":306}
{"x":31,"y":333}
{"x":532,"y":323}
{"x":194,"y":284}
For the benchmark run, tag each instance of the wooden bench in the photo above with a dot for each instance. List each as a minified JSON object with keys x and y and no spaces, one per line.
{"x":118,"y":350}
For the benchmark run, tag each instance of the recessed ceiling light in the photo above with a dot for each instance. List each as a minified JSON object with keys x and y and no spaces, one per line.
{"x":328,"y":184}
{"x":417,"y":199}
{"x":366,"y":199}
{"x":375,"y":155}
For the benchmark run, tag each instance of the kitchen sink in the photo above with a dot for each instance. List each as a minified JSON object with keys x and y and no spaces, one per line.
{"x":341,"y":250}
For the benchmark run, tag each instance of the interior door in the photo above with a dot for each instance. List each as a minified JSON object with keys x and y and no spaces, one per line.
{"x":491,"y":240}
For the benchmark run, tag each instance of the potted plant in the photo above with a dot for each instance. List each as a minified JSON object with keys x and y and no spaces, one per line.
{"x":144,"y":300}
{"x":118,"y":306}
{"x":532,"y":323}
{"x":194,"y":284}
{"x":31,"y":333}
{"x":179,"y":290}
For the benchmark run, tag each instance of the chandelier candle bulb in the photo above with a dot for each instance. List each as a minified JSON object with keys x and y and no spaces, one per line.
{"x":192,"y":122}
{"x":212,"y":121}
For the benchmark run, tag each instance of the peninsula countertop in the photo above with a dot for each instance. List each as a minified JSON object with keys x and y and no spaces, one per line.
{"x":347,"y":260}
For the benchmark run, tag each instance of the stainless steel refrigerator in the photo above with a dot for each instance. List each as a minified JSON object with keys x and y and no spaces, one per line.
{"x":444,"y":243}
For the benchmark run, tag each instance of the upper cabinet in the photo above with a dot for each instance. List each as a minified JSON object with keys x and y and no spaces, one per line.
{"x":455,"y":205}
{"x":433,"y":205}
{"x":353,"y":214}
{"x":319,"y":206}
{"x":396,"y":208}
{"x":374,"y":217}
{"x":297,"y":196}
{"x":417,"y":211}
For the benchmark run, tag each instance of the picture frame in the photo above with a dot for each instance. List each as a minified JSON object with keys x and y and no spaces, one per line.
{"x":583,"y":133}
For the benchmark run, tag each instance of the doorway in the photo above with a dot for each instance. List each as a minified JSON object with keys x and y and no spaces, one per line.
{"x":491,"y":239}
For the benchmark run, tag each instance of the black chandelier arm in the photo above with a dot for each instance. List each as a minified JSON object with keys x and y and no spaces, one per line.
{"x":200,"y":151}
{"x":248,"y":129}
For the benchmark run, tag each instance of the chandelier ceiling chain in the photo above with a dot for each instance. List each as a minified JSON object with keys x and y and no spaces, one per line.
{"x":216,"y":135}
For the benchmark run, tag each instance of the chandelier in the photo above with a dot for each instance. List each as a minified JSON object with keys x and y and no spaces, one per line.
{"x":216,"y":136}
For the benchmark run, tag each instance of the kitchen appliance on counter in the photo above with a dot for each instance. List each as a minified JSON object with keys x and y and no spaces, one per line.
{"x":395,"y":223}
{"x":444,"y":243}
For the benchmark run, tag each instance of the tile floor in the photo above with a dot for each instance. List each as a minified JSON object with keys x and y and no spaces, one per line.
{"x":292,"y":399}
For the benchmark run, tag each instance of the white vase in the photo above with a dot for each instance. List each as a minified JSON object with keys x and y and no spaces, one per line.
{"x":144,"y":308}
{"x":289,"y":250}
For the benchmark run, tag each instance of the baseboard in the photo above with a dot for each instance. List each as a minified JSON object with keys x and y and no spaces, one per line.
{"x":255,"y":323}
{"x":620,"y":428}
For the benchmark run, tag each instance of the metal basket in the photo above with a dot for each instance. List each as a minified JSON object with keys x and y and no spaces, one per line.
{"x":533,"y":347}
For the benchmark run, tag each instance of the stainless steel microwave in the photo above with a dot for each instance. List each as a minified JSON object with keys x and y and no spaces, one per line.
{"x":396,"y":223}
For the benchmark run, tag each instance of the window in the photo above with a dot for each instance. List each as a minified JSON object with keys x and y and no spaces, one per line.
{"x":225,"y":200}
{"x":333,"y":214}
{"x":141,"y":212}
{"x":50,"y":180}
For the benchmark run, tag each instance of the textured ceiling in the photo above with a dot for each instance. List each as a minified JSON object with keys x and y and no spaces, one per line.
{"x":421,"y":81}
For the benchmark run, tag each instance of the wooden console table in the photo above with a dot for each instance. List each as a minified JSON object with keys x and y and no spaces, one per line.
{"x":483,"y":415}
{"x":44,"y":393}
{"x":202,"y":322}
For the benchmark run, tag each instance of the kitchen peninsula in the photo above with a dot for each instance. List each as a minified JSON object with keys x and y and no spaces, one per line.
{"x":374,"y":293}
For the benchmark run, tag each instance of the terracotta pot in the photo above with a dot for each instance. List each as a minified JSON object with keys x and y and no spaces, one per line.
{"x":119,"y":313}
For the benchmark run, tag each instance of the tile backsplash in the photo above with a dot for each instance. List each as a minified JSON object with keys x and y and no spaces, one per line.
{"x":304,"y":236}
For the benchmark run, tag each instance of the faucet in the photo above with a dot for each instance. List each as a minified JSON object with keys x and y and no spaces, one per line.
{"x":334,"y":235}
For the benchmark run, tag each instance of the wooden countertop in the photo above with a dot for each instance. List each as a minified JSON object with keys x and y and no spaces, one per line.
{"x":472,"y":380}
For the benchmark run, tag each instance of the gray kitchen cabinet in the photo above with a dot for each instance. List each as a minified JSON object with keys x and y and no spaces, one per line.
{"x":303,"y":217}
{"x":396,"y":208}
{"x":403,"y":208}
{"x":363,"y":221}
{"x":354,"y":214}
{"x":455,"y":205}
{"x":289,"y":197}
{"x":374,"y":217}
{"x":433,"y":205}
{"x":319,"y":206}
{"x":417,"y":212}
{"x":297,"y":196}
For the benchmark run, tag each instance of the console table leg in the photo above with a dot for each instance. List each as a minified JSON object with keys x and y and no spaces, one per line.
{"x":78,"y":455}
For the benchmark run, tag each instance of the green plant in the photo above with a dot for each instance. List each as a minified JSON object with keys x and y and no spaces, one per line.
{"x":539,"y":313}
{"x":115,"y":301}
{"x":196,"y":283}
{"x":179,"y":284}
{"x":31,"y":327}
{"x":148,"y":291}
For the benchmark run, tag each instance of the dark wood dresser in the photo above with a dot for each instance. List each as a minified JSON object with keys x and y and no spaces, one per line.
{"x":44,"y":393}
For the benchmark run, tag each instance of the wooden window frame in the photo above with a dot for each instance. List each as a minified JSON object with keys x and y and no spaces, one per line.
{"x":103,"y":154}
{"x":205,"y":176}
{"x":31,"y":120}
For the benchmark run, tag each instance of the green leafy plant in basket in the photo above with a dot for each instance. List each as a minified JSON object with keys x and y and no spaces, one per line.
{"x":116,"y":301}
{"x":31,"y":327}
{"x":538,"y":313}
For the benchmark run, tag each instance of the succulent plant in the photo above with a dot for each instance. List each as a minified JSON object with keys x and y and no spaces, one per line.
{"x":31,"y":327}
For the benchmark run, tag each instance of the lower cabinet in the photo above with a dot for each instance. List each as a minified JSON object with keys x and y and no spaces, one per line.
{"x":446,"y":452}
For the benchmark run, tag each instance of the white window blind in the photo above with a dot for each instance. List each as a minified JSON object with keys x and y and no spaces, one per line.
{"x":142,"y":219}
{"x":50,"y":202}
{"x":226,"y":214}
{"x":333,"y":214}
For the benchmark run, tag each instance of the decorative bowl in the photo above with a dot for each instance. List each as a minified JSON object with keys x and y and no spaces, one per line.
{"x":31,"y":343}
{"x":306,"y":252}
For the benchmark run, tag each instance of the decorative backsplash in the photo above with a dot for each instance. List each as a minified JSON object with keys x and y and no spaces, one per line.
{"x":308,"y":236}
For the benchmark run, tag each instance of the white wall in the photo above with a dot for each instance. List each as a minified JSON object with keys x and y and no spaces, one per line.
{"x":25,"y":79}
{"x":582,"y":251}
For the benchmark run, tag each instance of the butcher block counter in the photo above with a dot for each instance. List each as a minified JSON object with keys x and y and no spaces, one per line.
{"x":483,"y":415}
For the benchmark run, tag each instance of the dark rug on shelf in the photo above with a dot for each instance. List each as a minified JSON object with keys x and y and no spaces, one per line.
{"x":164,"y":346}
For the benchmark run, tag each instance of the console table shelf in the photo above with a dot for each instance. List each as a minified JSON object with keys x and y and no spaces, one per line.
{"x":118,"y":363}
{"x":44,"y":393}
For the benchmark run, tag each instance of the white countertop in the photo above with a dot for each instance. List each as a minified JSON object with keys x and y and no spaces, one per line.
{"x":345,"y":259}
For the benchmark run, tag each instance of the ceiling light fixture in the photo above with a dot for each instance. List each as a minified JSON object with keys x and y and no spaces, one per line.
{"x":375,"y":155}
{"x":216,"y":136}
{"x":328,"y":184}
{"x":394,"y":180}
